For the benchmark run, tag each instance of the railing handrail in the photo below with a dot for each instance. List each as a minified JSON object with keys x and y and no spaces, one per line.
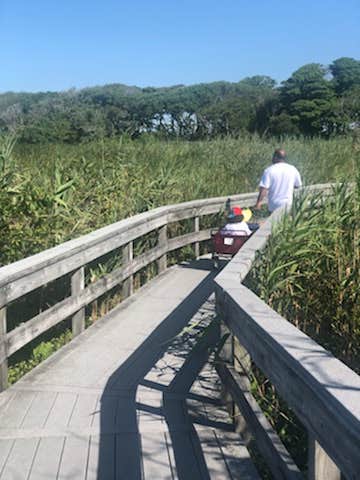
{"x":70,"y":258}
{"x":323,"y":392}
{"x":86,"y":248}
{"x":146,"y":222}
{"x":334,"y":409}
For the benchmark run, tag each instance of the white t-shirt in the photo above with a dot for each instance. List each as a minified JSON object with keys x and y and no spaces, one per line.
{"x":239,"y":228}
{"x":280,"y":179}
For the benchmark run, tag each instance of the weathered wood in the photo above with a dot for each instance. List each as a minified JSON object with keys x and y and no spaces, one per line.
{"x":3,"y":351}
{"x":109,"y":343}
{"x":242,"y":365}
{"x":269,"y":444}
{"x":30,"y":273}
{"x":101,"y":463}
{"x":187,"y":239}
{"x":162,"y":242}
{"x":226,"y":353}
{"x":20,"y":459}
{"x":5,"y":449}
{"x":240,"y":468}
{"x":322,"y":391}
{"x":226,"y":356}
{"x":128,"y":284}
{"x":47,"y":458}
{"x":197,"y":244}
{"x":15,"y":411}
{"x":155,"y":456}
{"x":73,"y":462}
{"x":26,"y":275}
{"x":26,"y":332}
{"x":61,"y":412}
{"x":77,"y":286}
{"x":320,"y":465}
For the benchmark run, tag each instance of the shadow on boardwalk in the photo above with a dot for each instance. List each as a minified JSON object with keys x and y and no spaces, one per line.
{"x":121,"y":452}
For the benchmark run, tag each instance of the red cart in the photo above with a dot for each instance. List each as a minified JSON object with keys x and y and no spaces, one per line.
{"x":226,"y":244}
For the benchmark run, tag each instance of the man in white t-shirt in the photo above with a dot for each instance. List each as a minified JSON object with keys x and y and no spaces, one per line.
{"x":278,"y":182}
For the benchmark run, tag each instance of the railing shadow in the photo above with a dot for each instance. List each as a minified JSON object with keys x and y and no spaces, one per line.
{"x":120,"y":442}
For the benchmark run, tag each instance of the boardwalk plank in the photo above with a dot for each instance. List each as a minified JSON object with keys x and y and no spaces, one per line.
{"x":84,"y":411}
{"x":5,"y":449}
{"x":105,"y":413}
{"x":15,"y":413}
{"x":214,"y":459}
{"x":237,"y":456}
{"x":155,"y":457}
{"x":74,"y":458}
{"x":47,"y":459}
{"x":128,"y":457}
{"x":126,"y":417}
{"x":171,"y":454}
{"x":61,"y":411}
{"x":20,"y":460}
{"x":101,"y":464}
{"x":39,"y":410}
{"x":186,"y":459}
{"x":112,"y":404}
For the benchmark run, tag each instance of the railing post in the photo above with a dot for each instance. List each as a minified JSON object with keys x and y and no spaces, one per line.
{"x":242,"y":365}
{"x":77,"y":285}
{"x":128,"y":284}
{"x":4,"y":363}
{"x":162,"y":241}
{"x":320,"y":465}
{"x":197,"y":244}
{"x":234,"y":354}
{"x":227,"y":356}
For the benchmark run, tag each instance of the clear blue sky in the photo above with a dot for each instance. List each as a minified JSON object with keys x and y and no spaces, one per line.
{"x":60,"y":44}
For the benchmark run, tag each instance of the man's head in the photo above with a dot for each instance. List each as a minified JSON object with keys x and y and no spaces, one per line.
{"x":279,"y":155}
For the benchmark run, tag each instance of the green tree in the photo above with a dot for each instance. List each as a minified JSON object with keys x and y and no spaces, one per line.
{"x":346,"y":74}
{"x":308,"y":98}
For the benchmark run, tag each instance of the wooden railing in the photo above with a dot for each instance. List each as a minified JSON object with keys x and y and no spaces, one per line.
{"x":321,"y":390}
{"x":71,"y":258}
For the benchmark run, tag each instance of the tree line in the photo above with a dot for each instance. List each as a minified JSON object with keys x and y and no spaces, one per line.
{"x":316,"y":100}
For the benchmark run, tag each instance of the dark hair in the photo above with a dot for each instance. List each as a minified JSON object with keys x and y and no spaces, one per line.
{"x":236,"y":219}
{"x":279,"y":155}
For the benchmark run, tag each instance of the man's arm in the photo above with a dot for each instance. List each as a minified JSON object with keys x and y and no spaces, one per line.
{"x":261,"y":196}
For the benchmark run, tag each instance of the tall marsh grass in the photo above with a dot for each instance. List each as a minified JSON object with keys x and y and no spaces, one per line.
{"x":57,"y":192}
{"x":310,"y":270}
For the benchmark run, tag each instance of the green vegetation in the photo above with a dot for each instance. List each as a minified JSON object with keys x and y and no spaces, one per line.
{"x":74,"y":161}
{"x":53,"y":193}
{"x":38,"y":355}
{"x":309,"y":273}
{"x":315,"y":100}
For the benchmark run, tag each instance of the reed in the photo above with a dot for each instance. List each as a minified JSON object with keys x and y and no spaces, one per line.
{"x":57,"y":192}
{"x":309,"y":271}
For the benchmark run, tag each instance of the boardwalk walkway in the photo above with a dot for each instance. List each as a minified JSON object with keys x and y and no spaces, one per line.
{"x":130,"y":398}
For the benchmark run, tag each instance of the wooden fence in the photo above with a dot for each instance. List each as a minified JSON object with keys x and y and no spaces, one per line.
{"x":322,"y":391}
{"x":71,"y":258}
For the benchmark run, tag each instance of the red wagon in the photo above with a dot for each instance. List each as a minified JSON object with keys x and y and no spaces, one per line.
{"x":226,"y":244}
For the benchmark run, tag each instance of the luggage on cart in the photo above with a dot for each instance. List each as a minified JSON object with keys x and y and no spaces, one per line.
{"x":227,"y":241}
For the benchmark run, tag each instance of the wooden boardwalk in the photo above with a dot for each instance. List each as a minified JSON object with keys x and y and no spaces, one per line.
{"x":132,"y":397}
